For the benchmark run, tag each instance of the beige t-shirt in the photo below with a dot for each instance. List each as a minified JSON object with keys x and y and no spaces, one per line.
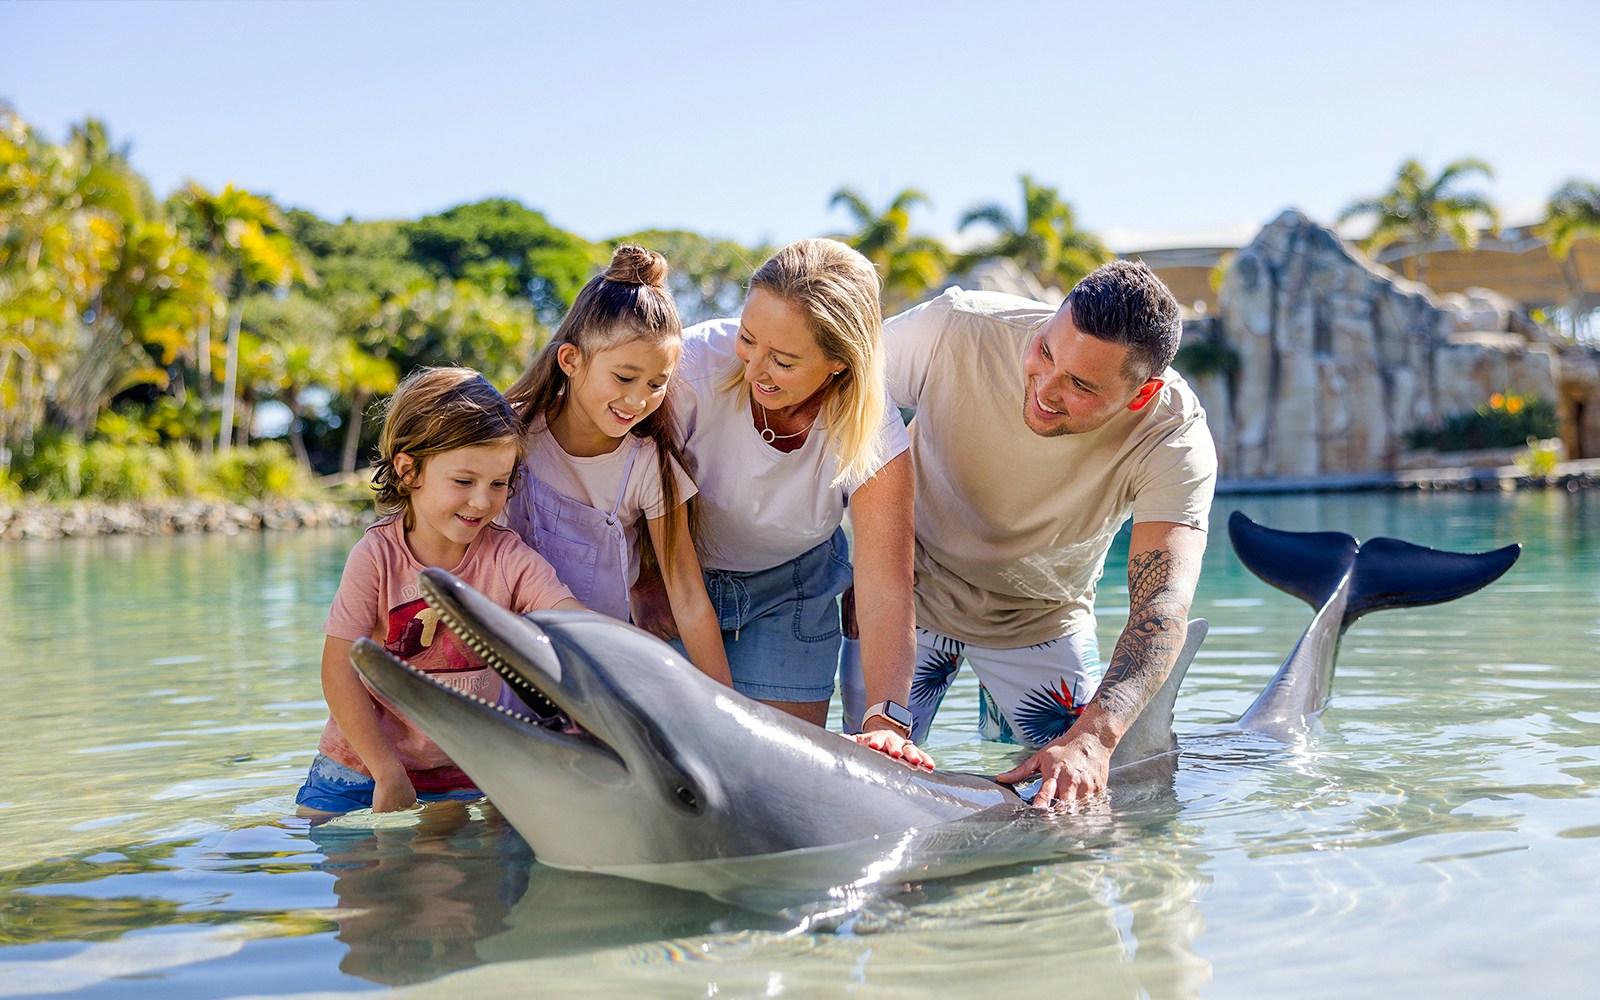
{"x":1013,"y":528}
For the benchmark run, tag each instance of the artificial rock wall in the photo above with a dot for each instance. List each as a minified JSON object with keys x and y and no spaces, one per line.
{"x":1339,"y":357}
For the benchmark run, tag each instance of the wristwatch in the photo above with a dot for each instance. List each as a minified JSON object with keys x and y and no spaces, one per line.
{"x":895,"y":714}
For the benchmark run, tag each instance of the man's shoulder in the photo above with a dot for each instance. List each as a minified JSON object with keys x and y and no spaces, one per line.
{"x":983,"y":305}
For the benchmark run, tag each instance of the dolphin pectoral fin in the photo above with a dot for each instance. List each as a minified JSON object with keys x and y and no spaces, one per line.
{"x":1391,"y":573}
{"x":1308,"y":564}
{"x":1151,"y":733}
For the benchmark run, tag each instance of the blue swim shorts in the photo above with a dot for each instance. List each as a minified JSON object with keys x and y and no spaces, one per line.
{"x":334,"y":788}
{"x":780,"y":626}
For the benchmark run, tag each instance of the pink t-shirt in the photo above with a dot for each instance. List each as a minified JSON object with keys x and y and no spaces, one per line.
{"x":379,"y":599}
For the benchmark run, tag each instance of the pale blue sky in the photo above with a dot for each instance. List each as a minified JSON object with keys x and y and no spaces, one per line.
{"x":741,"y":119}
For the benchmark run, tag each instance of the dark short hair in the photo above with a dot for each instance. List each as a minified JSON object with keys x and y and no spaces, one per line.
{"x":1123,"y":302}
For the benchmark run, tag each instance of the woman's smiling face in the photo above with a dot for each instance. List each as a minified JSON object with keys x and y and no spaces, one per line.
{"x":783,"y":365}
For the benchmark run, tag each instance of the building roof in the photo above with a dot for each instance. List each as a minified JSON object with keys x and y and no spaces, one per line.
{"x":1516,"y":263}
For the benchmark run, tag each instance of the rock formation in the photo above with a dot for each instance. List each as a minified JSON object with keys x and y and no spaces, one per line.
{"x":1337,"y":357}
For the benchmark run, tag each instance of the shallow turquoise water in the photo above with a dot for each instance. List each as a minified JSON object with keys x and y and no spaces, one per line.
{"x":1436,"y":833}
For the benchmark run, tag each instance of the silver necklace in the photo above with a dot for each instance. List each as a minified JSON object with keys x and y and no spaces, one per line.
{"x":767,"y":434}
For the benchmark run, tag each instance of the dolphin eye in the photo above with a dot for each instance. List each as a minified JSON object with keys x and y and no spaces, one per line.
{"x":687,"y":796}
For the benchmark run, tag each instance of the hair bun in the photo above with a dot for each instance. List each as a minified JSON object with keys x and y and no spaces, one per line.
{"x":634,"y":265}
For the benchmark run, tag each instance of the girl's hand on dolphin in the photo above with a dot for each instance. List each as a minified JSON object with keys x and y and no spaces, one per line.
{"x":1072,"y":768}
{"x":892,"y":744}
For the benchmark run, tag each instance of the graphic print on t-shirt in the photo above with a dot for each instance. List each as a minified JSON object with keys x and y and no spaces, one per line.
{"x":417,"y":636}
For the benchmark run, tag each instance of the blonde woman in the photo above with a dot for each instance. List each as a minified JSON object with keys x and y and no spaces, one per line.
{"x":785,"y":421}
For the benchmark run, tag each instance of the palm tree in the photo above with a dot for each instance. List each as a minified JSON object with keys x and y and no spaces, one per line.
{"x":909,"y":265}
{"x":246,"y":237}
{"x":89,"y":286}
{"x":1045,"y":241}
{"x":1572,"y":213}
{"x":1418,"y":210}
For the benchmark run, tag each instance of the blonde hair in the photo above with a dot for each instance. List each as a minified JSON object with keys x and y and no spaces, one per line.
{"x":628,"y":302}
{"x":836,"y":289}
{"x":435,"y":410}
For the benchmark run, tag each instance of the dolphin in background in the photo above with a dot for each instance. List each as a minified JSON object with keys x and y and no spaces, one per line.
{"x":641,"y":766}
{"x":1343,"y":579}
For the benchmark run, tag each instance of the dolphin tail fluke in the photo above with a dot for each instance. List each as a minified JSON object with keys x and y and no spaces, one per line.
{"x":1383,"y":572}
{"x":1308,"y":564}
{"x":1151,"y":733}
{"x":1391,"y":573}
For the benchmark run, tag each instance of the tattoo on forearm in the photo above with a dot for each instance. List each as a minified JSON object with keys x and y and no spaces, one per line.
{"x":1157,"y":614}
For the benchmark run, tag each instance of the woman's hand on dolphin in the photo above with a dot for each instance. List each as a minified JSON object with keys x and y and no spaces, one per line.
{"x":892,"y":744}
{"x":1071,"y":768}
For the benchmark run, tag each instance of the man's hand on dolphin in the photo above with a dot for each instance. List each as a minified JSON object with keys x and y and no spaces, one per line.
{"x":1071,"y":768}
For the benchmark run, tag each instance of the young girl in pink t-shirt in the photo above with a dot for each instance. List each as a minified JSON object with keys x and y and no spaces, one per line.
{"x":450,"y":454}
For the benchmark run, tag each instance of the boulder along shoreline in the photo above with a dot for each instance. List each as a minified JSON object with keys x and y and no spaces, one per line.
{"x":32,"y":519}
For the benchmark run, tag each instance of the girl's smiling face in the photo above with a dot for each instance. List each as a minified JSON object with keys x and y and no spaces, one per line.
{"x":611,"y":392}
{"x":783,"y":365}
{"x":453,"y":496}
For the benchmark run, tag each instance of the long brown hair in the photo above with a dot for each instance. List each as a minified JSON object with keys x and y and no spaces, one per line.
{"x":628,"y":302}
{"x":435,"y":410}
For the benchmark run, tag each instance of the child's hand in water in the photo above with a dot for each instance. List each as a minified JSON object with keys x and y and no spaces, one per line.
{"x":393,"y":793}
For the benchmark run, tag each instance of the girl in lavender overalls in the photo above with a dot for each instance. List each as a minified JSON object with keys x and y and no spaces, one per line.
{"x":603,"y":455}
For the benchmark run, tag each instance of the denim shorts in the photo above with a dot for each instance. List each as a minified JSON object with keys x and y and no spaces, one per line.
{"x":780,"y":626}
{"x":334,"y":788}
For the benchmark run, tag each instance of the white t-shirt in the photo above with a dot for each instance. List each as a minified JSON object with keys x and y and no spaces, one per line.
{"x":760,"y":507}
{"x":1012,"y":528}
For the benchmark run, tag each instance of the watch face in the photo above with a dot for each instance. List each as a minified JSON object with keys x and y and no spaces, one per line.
{"x":893,"y":711}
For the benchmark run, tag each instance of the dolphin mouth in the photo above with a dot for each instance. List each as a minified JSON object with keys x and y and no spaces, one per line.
{"x":538,"y":707}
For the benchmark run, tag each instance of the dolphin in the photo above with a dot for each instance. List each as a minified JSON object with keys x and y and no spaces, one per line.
{"x":637,"y":764}
{"x":645,"y":761}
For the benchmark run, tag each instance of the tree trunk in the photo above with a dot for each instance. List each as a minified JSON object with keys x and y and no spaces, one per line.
{"x":230,"y":375}
{"x":352,"y":435}
{"x":202,"y":364}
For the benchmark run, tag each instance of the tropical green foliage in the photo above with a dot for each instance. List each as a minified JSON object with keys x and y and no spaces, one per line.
{"x":505,"y":249}
{"x":1572,"y":214}
{"x":1504,"y":421}
{"x":910,"y":266}
{"x":64,"y":467}
{"x":1044,"y":240}
{"x":1419,"y":209}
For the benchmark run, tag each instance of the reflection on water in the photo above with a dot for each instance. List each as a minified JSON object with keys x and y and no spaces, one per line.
{"x":160,"y":704}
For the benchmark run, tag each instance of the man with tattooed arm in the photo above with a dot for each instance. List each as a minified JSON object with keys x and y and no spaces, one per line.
{"x":1038,"y":432}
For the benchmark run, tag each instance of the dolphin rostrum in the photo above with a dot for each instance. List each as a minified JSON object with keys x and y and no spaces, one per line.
{"x":641,"y":765}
